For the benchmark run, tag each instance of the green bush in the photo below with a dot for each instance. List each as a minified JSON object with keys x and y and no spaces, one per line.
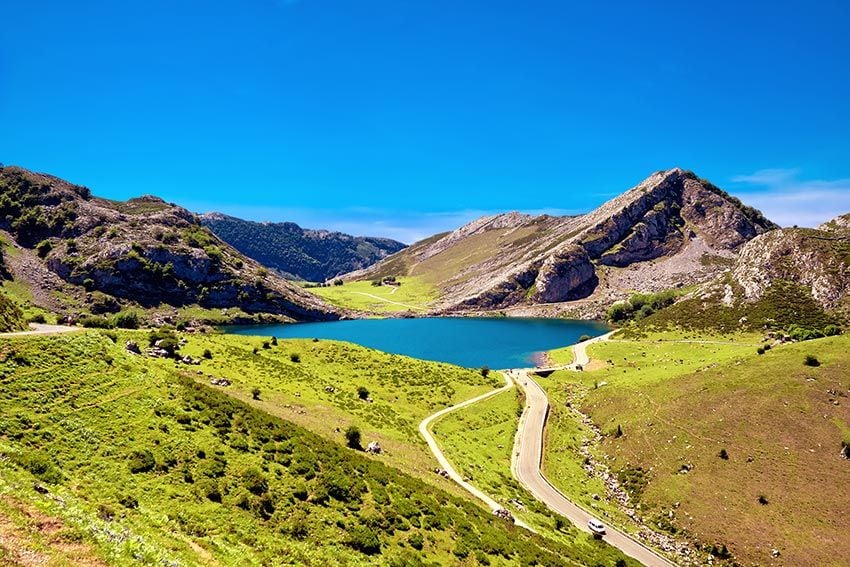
{"x":95,"y":322}
{"x":43,"y":248}
{"x":352,"y":437}
{"x":364,"y":539}
{"x":362,"y":393}
{"x":126,"y":320}
{"x":141,"y":461}
{"x":811,"y":360}
{"x":40,"y":465}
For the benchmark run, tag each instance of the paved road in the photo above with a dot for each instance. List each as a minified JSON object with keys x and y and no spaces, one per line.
{"x":39,"y":329}
{"x":528,"y":455}
{"x":444,"y":462}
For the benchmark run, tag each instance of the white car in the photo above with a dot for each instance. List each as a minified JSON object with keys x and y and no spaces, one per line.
{"x":596,"y":527}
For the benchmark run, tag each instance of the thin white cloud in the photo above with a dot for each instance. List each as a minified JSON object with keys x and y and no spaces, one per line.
{"x":787,"y":199}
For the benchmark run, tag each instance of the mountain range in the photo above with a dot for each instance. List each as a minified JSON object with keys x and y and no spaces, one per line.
{"x":298,"y":253}
{"x":671,"y":230}
{"x":78,"y":254}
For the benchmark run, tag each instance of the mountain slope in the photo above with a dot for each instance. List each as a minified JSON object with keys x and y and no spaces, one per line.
{"x":80,"y":253}
{"x":298,"y":253}
{"x":672,"y":229}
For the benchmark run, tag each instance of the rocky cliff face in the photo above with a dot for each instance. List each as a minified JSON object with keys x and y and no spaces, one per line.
{"x":816,"y":259}
{"x":79,"y":252}
{"x":298,"y":253}
{"x":672,"y":229}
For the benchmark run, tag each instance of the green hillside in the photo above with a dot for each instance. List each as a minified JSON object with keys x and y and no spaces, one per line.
{"x":713,"y":441}
{"x":135,"y":460}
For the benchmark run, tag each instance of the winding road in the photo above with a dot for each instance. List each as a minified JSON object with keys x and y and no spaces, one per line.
{"x":424,"y":429}
{"x":528,"y":455}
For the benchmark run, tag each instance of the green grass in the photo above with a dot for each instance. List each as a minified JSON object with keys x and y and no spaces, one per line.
{"x":403,"y":390}
{"x":563,"y":355}
{"x":412,"y":295}
{"x":217,"y":480}
{"x":680,"y":403}
{"x":478,"y":441}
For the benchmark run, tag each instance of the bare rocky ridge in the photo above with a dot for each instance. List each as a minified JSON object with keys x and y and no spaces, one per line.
{"x":817,"y":259}
{"x":670,"y":230}
{"x":79,"y":253}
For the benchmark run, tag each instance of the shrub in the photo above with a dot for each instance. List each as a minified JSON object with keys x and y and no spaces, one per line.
{"x":352,"y":437}
{"x":416,"y":541}
{"x":37,"y":318}
{"x":723,"y":454}
{"x":274,"y":341}
{"x":141,"y":461}
{"x":207,"y":354}
{"x":295,"y":357}
{"x":94,"y":322}
{"x":760,"y":350}
{"x":811,"y":360}
{"x":338,"y":282}
{"x":129,"y":501}
{"x":362,"y":393}
{"x":40,"y":465}
{"x":364,"y":539}
{"x":485,"y":371}
{"x":43,"y":248}
{"x":126,"y":320}
{"x":583,"y":338}
{"x":88,"y":283}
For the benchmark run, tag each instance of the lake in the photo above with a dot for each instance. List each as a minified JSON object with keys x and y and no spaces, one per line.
{"x":473,"y":342}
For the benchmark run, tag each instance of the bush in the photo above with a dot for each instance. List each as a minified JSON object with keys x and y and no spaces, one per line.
{"x":416,"y":541}
{"x":295,"y":357}
{"x":141,"y":461}
{"x":37,"y":318}
{"x":207,"y":354}
{"x":485,"y":371}
{"x":723,"y":454}
{"x":811,"y":360}
{"x":94,"y":322}
{"x":338,"y":282}
{"x":583,"y":338}
{"x":352,"y":437}
{"x":40,"y":465}
{"x":129,"y":501}
{"x":88,"y":283}
{"x":760,"y":350}
{"x":126,"y":320}
{"x":364,"y":539}
{"x":43,"y":248}
{"x":362,"y":393}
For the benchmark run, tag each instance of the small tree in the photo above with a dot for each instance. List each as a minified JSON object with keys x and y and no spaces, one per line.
{"x":255,"y":393}
{"x":352,"y":437}
{"x":810,"y":360}
{"x":362,"y":393}
{"x":485,"y":370}
{"x":295,"y":357}
{"x":338,"y":281}
{"x":274,"y":341}
{"x":207,"y":354}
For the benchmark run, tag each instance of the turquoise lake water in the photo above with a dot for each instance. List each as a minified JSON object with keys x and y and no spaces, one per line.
{"x":465,"y":341}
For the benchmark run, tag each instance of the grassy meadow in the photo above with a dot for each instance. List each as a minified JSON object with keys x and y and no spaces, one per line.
{"x":716,"y":441}
{"x":112,"y":458}
{"x":412,"y":295}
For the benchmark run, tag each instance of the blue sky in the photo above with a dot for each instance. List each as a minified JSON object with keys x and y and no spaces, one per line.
{"x":404,"y":118}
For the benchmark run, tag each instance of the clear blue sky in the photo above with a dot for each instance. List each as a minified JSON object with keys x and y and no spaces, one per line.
{"x":406,"y":117}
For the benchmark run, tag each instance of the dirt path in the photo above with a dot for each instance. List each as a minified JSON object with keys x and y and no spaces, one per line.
{"x":424,"y":430}
{"x":390,"y":301}
{"x":40,"y":329}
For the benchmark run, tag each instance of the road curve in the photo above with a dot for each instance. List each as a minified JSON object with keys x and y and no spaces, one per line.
{"x":528,"y":455}
{"x":444,"y":462}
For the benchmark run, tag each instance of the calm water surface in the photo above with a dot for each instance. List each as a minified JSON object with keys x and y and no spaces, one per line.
{"x":471,"y":342}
